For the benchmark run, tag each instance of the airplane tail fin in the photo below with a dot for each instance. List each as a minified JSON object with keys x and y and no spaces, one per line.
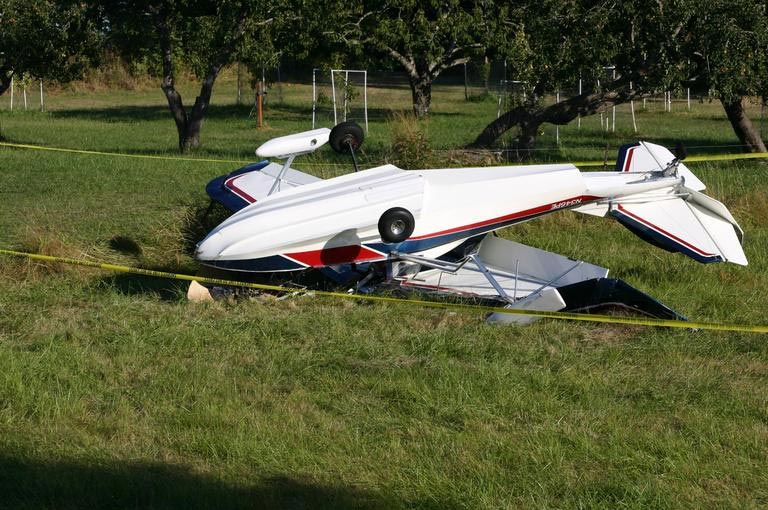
{"x":679,"y":218}
{"x":649,"y":157}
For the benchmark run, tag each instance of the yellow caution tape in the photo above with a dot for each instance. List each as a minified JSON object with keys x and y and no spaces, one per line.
{"x":143,"y":156}
{"x":689,"y":159}
{"x":637,"y":321}
{"x":120,"y":154}
{"x":711,"y":157}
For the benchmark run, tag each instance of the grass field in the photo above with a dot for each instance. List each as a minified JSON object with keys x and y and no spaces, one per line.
{"x":115,"y":392}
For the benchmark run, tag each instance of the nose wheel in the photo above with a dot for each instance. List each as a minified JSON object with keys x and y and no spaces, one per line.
{"x":347,"y":137}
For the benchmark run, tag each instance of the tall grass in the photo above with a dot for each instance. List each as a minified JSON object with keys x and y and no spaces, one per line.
{"x":116,"y":392}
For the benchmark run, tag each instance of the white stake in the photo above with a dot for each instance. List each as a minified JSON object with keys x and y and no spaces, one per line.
{"x":557,"y":127}
{"x":333,"y":91}
{"x":42,"y":102}
{"x":365,"y":98}
{"x":632,"y":109}
{"x":613,"y":112}
{"x":579,"y":121}
{"x":11,"y":93}
{"x":314,"y":97}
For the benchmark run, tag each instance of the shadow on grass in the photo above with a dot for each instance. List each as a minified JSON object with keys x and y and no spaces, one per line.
{"x":198,"y":221}
{"x":281,"y":111}
{"x":68,"y":484}
{"x":547,"y":152}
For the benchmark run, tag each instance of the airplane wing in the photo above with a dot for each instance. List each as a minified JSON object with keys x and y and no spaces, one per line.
{"x":253,"y":182}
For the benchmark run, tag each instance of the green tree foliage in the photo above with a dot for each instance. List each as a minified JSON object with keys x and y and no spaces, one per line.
{"x":423,"y":37}
{"x":47,"y":39}
{"x":718,"y":46}
{"x":207,"y":34}
{"x":725,"y":46}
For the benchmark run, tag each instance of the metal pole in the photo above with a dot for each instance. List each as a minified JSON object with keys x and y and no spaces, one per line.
{"x":314,"y":98}
{"x":632,"y":109}
{"x":333,"y":94}
{"x":466,"y":95}
{"x":602,"y":127}
{"x":263,"y":84}
{"x":239,"y":98}
{"x":11,"y":93}
{"x":579,"y":121}
{"x":260,"y":104}
{"x":346,"y":93}
{"x":279,"y":85}
{"x":613,"y":110}
{"x":24,"y":93}
{"x":365,"y":98}
{"x":42,"y":102}
{"x":557,"y":127}
{"x":689,"y":98}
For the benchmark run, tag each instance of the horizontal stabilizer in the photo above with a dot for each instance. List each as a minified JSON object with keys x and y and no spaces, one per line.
{"x":699,"y":227}
{"x":254,"y":182}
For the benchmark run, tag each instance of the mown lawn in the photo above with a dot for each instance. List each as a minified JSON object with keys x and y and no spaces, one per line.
{"x":115,"y":392}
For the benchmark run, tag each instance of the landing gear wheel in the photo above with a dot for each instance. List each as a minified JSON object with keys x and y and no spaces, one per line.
{"x":396,"y":225}
{"x":345,"y":136}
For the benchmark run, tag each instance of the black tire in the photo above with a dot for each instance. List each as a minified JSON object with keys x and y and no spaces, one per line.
{"x":396,"y":225}
{"x":345,"y":135}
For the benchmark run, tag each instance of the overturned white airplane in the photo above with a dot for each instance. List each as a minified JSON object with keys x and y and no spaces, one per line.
{"x":431,"y":229}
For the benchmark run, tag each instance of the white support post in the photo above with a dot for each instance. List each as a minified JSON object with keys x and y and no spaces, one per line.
{"x":632,"y":109}
{"x":365,"y":98}
{"x":11,"y":93}
{"x":333,"y":94}
{"x":42,"y":102}
{"x":689,"y":98}
{"x":314,"y":97}
{"x":602,"y":127}
{"x":346,"y":93}
{"x":345,"y":102}
{"x":24,"y":93}
{"x":613,"y":110}
{"x":579,"y":121}
{"x":557,"y":127}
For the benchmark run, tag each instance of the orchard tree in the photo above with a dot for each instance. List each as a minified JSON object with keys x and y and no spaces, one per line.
{"x":548,"y":44}
{"x":717,"y":45}
{"x":726,"y":42}
{"x":423,"y":37}
{"x":48,"y":39}
{"x":207,"y":34}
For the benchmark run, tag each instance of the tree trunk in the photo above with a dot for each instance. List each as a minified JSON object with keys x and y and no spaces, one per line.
{"x":189,"y":124}
{"x":742,"y":125}
{"x":530,"y":116}
{"x":421,"y":91}
{"x":526,"y":142}
{"x":5,"y":81}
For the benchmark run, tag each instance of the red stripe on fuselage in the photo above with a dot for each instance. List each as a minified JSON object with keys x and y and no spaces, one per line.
{"x":514,"y":216}
{"x":338,"y":255}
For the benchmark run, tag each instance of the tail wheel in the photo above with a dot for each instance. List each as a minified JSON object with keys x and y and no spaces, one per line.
{"x":345,"y":136}
{"x":396,"y":225}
